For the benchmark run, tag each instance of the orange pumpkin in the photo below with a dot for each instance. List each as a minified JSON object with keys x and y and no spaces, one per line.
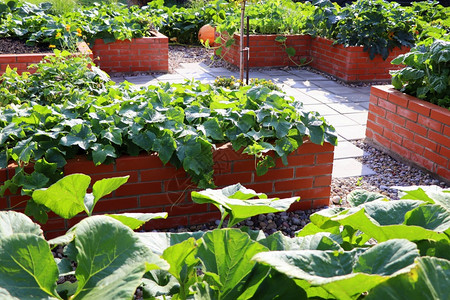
{"x":207,"y":33}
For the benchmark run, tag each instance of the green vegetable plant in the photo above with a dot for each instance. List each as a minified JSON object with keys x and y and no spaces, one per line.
{"x":290,"y":51}
{"x":87,"y":115}
{"x":426,"y":75}
{"x":377,"y":25}
{"x":376,"y":248}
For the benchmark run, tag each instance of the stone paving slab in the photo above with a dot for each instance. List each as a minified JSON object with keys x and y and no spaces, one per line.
{"x":354,"y":132}
{"x":346,"y":149}
{"x":349,"y":167}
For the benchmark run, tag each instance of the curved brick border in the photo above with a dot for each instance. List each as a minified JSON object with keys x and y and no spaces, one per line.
{"x":146,"y":54}
{"x":153,"y":187}
{"x":350,"y":64}
{"x":412,"y":130}
{"x":23,"y":61}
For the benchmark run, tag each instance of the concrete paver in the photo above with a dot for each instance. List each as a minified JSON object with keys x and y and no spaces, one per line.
{"x":344,"y":107}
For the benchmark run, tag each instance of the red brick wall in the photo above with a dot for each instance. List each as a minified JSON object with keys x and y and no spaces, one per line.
{"x":22,"y":61}
{"x":266,"y":52}
{"x":346,"y":63}
{"x":413,"y":130}
{"x":153,"y":187}
{"x":352,"y":63}
{"x":138,"y":55}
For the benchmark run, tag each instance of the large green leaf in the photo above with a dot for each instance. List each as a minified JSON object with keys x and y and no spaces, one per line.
{"x":136,"y":220}
{"x":66,"y":196}
{"x":182,"y":261}
{"x":357,"y":197}
{"x":318,"y":241}
{"x":431,"y":194}
{"x":157,"y":242}
{"x":159,"y":282}
{"x":27,"y":268}
{"x":111,"y":260}
{"x":233,"y":201}
{"x":343,"y":275}
{"x":12,"y":222}
{"x":102,"y":188}
{"x":428,"y":279}
{"x":226,"y":257}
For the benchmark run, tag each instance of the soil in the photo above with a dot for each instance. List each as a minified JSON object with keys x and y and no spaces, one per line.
{"x":16,"y":46}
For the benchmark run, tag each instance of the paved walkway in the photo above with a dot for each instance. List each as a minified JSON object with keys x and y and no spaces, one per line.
{"x":344,"y":107}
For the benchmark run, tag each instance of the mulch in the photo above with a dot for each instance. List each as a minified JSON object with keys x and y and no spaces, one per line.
{"x":16,"y":46}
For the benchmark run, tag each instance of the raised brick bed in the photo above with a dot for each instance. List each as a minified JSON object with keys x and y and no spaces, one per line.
{"x":266,"y":52}
{"x":146,"y":54}
{"x":153,"y":187}
{"x":350,"y":64}
{"x":23,"y":61}
{"x":410,"y":129}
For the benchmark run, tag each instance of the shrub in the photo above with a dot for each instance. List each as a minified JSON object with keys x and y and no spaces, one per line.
{"x":426,"y":74}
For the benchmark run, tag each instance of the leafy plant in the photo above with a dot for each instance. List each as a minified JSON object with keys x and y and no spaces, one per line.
{"x":426,"y":74}
{"x":180,"y":122}
{"x":237,"y":202}
{"x":235,"y":263}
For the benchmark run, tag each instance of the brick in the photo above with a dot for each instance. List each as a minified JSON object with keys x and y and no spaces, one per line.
{"x":443,"y":139}
{"x":262,"y":187}
{"x":386,"y":123}
{"x":440,"y":160}
{"x":379,"y":91}
{"x":406,"y":153}
{"x":392,"y":136}
{"x":321,"y":192}
{"x":110,"y":205}
{"x":420,"y":107}
{"x":375,"y":109}
{"x":186,"y":209}
{"x":169,"y":198}
{"x":324,"y":158}
{"x":162,"y":174}
{"x":178,"y":184}
{"x":409,"y":114}
{"x":133,"y":176}
{"x":30,"y":58}
{"x":404,"y":133}
{"x":233,"y":178}
{"x":444,"y":151}
{"x":414,"y":147}
{"x":381,"y":140}
{"x":318,"y":203}
{"x":4,"y":203}
{"x":130,"y":189}
{"x":322,"y":181}
{"x":56,"y":224}
{"x":309,"y":147}
{"x":53,"y":234}
{"x":441,"y":115}
{"x":418,"y":129}
{"x":295,"y":184}
{"x":446,"y":130}
{"x":422,"y":161}
{"x":432,"y":145}
{"x":82,"y":165}
{"x":18,"y":201}
{"x":141,"y":162}
{"x":314,"y":170}
{"x":276,"y":174}
{"x":396,"y":118}
{"x":429,"y":123}
{"x":204,"y":218}
{"x":443,"y":172}
{"x":297,"y":160}
{"x":387,"y":105}
{"x":301,"y":205}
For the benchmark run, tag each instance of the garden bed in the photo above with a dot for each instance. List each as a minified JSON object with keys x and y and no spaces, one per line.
{"x":23,"y":61}
{"x":265,"y":51}
{"x":153,"y":187}
{"x":410,"y":129}
{"x":349,"y":64}
{"x":148,"y":54}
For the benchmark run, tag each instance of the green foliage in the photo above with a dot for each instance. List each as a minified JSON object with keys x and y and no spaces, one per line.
{"x":112,"y":260}
{"x":426,"y":74}
{"x":237,"y":201}
{"x":377,"y":25}
{"x":88,"y":115}
{"x":38,"y":25}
